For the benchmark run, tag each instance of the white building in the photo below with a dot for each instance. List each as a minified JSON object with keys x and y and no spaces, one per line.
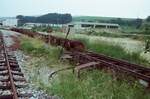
{"x":10,"y":22}
{"x":84,"y":25}
{"x":30,"y":25}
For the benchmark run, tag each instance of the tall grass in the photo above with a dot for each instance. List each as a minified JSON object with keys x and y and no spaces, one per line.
{"x":96,"y":85}
{"x":106,"y":48}
{"x":110,"y":49}
{"x":93,"y":84}
{"x":37,"y":47}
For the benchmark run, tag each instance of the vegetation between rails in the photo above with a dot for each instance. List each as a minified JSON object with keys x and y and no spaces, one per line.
{"x":93,"y":84}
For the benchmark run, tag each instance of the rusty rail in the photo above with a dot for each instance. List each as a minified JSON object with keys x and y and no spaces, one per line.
{"x":105,"y":62}
{"x":13,"y":88}
{"x":8,"y":69}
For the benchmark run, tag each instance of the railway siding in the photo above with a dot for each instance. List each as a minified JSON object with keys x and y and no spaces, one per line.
{"x":82,"y":57}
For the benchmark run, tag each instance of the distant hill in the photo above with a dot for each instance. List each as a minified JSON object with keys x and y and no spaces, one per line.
{"x":53,"y":18}
{"x":121,"y":21}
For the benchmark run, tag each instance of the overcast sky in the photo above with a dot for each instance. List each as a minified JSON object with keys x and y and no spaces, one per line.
{"x":109,"y":8}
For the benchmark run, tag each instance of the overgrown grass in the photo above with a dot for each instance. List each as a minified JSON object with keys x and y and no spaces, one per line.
{"x":96,"y":85}
{"x":38,"y":48}
{"x":116,"y":34}
{"x":106,"y":48}
{"x":140,"y":37}
{"x":93,"y":84}
{"x":115,"y":51}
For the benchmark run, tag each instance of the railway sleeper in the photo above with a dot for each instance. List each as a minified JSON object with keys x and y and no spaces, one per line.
{"x":2,"y":64}
{"x":21,"y":86}
{"x":3,"y":68}
{"x":20,"y":79}
{"x":16,"y":69}
{"x":6,"y":96}
{"x":4,"y":80}
{"x":20,"y":96}
{"x":5,"y":87}
{"x":3,"y":73}
{"x":24,"y":95}
{"x":18,"y":73}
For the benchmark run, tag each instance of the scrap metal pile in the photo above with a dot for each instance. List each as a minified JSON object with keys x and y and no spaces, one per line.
{"x":12,"y":80}
{"x":86,"y":59}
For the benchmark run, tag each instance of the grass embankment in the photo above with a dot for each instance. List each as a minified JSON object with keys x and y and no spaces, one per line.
{"x":93,"y":84}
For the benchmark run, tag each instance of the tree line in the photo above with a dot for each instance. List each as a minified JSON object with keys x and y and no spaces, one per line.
{"x":52,"y":18}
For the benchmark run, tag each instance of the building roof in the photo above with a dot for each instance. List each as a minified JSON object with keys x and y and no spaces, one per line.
{"x":93,"y":23}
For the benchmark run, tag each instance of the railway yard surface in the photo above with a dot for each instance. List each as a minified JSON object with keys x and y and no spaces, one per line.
{"x":73,"y":49}
{"x":23,"y":76}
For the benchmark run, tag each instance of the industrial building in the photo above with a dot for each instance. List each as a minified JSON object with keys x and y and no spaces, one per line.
{"x":12,"y":22}
{"x":84,"y":25}
{"x":31,"y":25}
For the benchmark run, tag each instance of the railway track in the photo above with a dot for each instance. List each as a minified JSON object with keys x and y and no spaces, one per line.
{"x":92,"y":60}
{"x":86,"y":59}
{"x":12,"y":80}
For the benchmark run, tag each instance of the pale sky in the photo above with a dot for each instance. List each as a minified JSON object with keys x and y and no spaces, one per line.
{"x":109,"y":8}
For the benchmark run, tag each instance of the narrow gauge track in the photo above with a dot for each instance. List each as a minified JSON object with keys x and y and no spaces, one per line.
{"x":86,"y":59}
{"x":11,"y":77}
